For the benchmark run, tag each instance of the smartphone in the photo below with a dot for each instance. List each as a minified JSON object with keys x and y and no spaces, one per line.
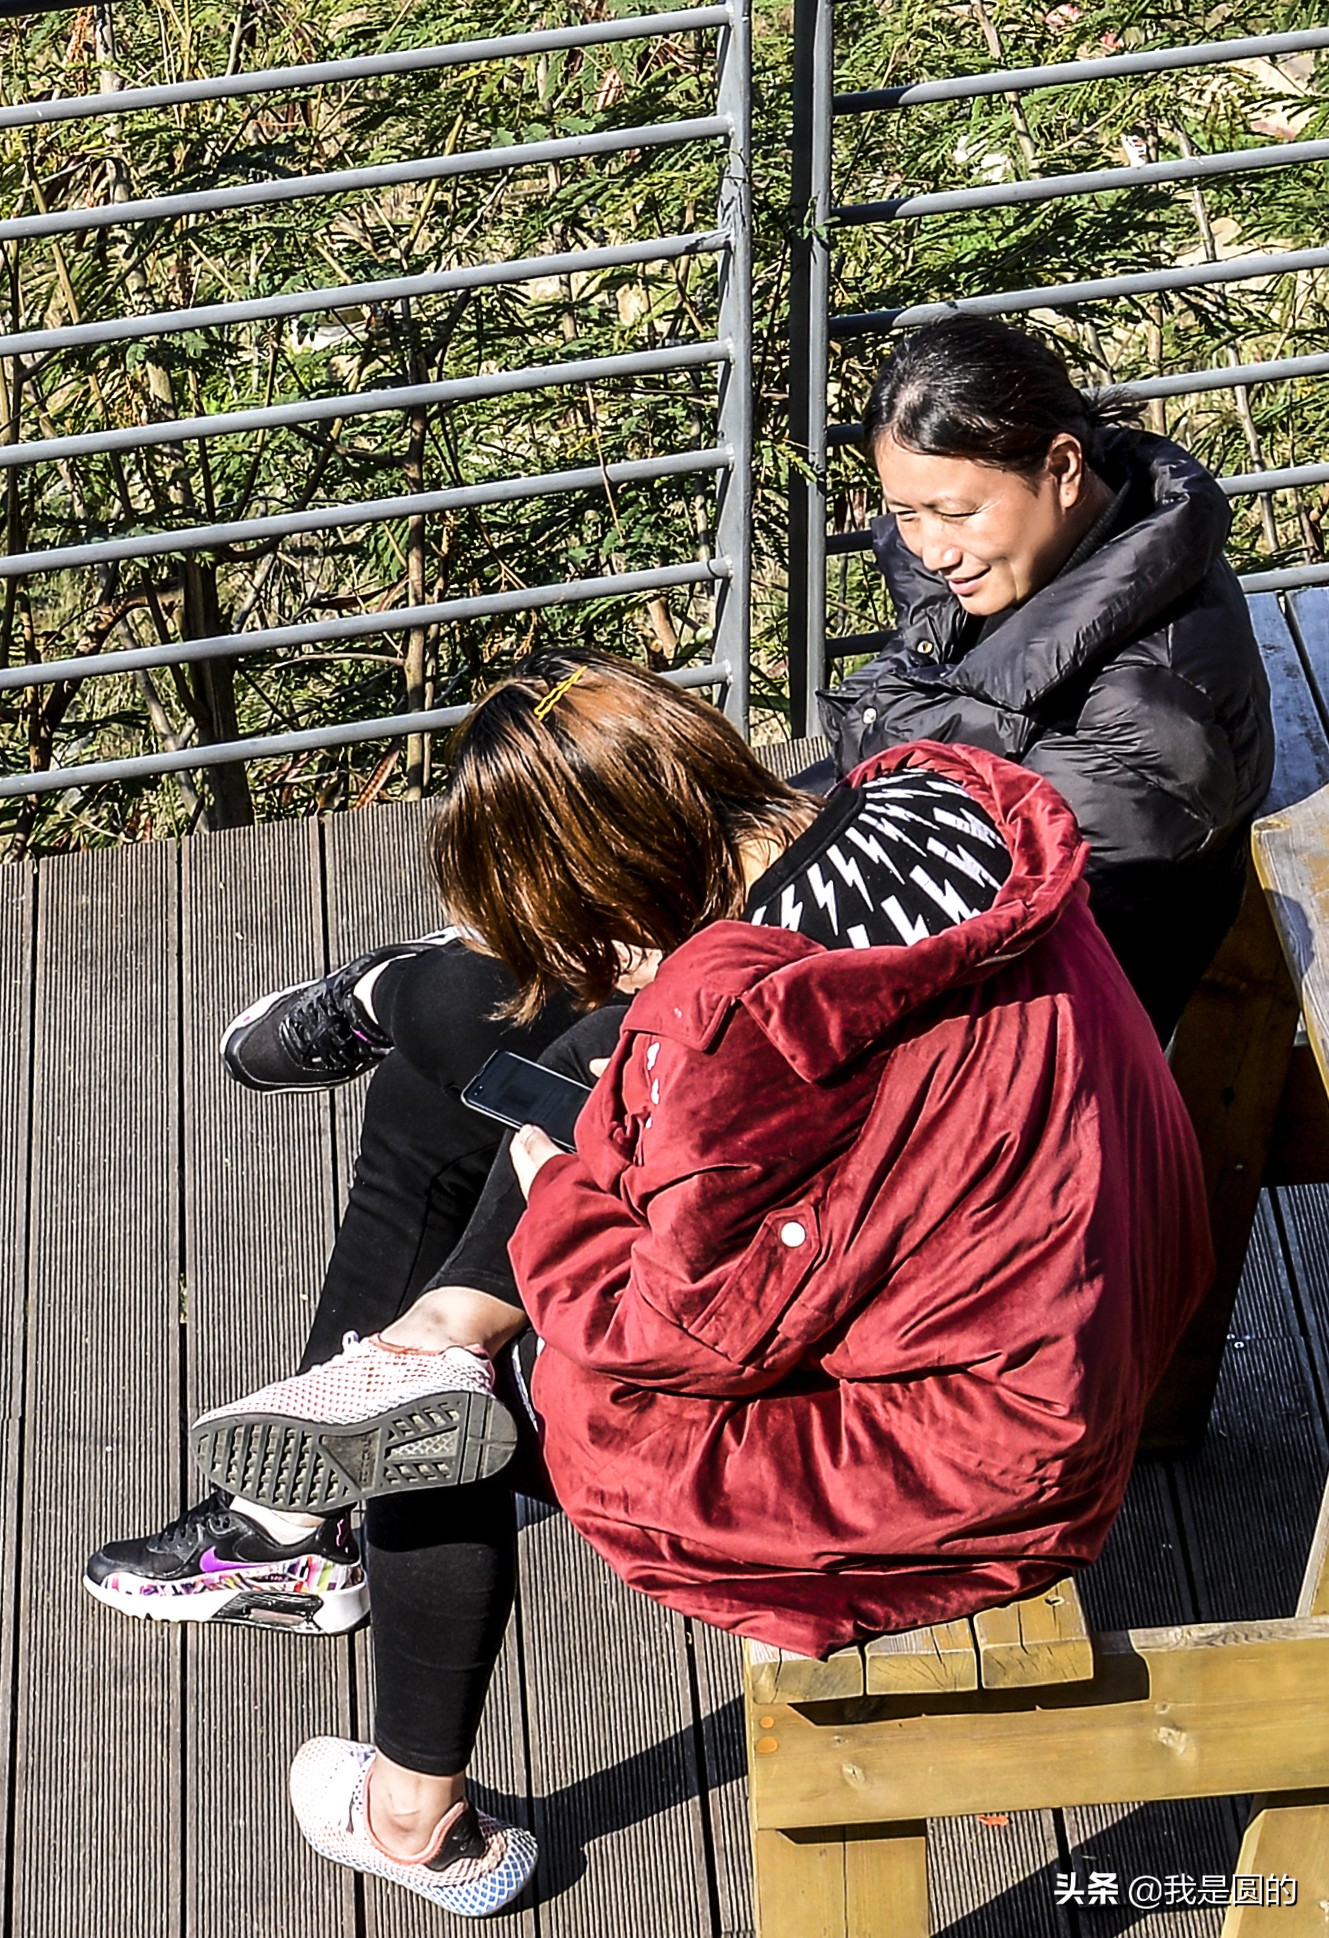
{"x":517,"y":1091}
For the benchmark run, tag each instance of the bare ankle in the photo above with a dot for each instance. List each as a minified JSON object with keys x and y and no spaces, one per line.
{"x":404,"y":1808}
{"x":456,"y":1315}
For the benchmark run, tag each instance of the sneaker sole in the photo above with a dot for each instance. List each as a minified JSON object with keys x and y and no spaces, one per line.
{"x":481,"y":1898}
{"x":245,"y":1021}
{"x":316,"y":1467}
{"x":330,"y":1614}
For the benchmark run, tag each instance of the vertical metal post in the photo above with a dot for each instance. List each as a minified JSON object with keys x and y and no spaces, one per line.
{"x":733,"y":529}
{"x":809,"y":354}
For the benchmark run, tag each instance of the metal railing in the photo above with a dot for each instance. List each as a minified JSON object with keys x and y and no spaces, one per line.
{"x":727,"y":462}
{"x":815,"y":326}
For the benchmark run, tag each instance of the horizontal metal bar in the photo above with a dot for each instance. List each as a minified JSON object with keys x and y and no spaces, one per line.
{"x":416,"y":60}
{"x":851,"y":644}
{"x":1286,"y":579}
{"x":394,"y":726}
{"x":1182,"y":383}
{"x":429,"y":168}
{"x":1239,"y":483}
{"x":313,"y":410}
{"x":1020,"y":80}
{"x":302,"y":302}
{"x":499,"y":491}
{"x":1051,"y":295}
{"x":1100,"y":181}
{"x":364,"y":625}
{"x":1222,"y":377}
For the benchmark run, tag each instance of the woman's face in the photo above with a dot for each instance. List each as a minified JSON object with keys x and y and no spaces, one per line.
{"x":995,"y":536}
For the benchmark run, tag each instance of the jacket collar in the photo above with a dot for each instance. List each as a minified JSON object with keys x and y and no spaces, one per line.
{"x":822,"y":1007}
{"x":1121,"y":590}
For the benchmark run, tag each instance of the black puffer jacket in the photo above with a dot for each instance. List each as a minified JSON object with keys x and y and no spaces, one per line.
{"x":1132,"y":682}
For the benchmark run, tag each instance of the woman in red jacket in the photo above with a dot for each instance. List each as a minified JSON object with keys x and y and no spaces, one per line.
{"x":883,"y":1220}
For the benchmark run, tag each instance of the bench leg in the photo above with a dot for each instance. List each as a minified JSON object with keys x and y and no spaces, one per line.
{"x":858,"y":1882}
{"x":1286,"y":1837}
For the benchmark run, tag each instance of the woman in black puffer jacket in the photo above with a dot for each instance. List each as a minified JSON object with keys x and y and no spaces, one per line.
{"x":1062,"y":598}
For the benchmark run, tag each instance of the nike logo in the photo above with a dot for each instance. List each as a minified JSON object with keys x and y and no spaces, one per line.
{"x":214,"y":1564}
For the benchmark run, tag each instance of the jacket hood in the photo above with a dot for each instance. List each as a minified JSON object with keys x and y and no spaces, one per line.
{"x":821,"y":1007}
{"x":1118,"y":592}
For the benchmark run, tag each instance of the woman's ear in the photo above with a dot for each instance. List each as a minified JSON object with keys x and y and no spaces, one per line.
{"x":1065,"y":467}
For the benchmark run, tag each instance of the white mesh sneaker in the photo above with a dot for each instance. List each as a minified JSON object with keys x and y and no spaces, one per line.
{"x":376,"y":1419}
{"x":474,"y":1864}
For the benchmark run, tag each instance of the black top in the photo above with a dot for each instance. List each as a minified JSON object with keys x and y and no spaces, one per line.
{"x":1132,"y":681}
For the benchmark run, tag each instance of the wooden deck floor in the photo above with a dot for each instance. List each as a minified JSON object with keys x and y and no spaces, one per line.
{"x":166,"y":1231}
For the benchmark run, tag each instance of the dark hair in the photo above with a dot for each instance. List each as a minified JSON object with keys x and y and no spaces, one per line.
{"x":970,"y":387}
{"x":587,"y":804}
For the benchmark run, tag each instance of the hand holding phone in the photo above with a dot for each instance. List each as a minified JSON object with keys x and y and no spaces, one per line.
{"x":530,"y":1151}
{"x":516,"y":1091}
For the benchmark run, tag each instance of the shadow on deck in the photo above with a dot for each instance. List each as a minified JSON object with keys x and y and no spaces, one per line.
{"x":167,"y":1231}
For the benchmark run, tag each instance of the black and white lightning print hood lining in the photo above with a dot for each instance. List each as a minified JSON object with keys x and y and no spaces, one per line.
{"x":902,"y":857}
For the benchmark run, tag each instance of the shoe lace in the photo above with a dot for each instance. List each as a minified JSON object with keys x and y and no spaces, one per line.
{"x":212,"y":1515}
{"x":321,"y":1021}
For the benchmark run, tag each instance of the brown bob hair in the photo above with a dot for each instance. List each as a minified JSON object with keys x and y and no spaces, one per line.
{"x":588,"y":804}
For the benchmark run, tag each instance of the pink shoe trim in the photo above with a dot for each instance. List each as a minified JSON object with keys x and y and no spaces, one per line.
{"x":420,"y":1352}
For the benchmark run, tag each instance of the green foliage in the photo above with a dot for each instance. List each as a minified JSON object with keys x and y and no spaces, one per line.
{"x":1104,"y":124}
{"x":521,"y":211}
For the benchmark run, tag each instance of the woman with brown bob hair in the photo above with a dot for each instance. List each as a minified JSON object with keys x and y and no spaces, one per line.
{"x":631,"y":808}
{"x":881,"y":1166}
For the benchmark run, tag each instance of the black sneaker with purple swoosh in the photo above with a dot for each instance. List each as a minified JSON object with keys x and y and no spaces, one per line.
{"x":214,"y":1564}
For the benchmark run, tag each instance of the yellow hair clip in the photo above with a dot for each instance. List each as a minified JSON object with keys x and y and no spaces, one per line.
{"x":555,"y":693}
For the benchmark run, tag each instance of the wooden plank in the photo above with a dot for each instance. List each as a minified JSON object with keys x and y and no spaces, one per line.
{"x":1040,"y":1639}
{"x":1291,"y":851}
{"x":1208,"y":1710}
{"x":17,"y":939}
{"x":1231,"y":1052}
{"x":719,"y":1666}
{"x":922,"y":1661}
{"x":1308,"y":611}
{"x":1304,"y":1227}
{"x":777,"y":1675}
{"x":257,"y":1170}
{"x":990,"y":1875}
{"x":378,"y":891}
{"x":1249,"y":1500}
{"x":798,"y":1885}
{"x":1297,"y":688}
{"x":1142,"y":1577}
{"x":1289,"y":1841}
{"x":613,"y":1750}
{"x":1230,"y":1059}
{"x":886,"y":1880}
{"x":789,"y":757}
{"x":498,"y":1783}
{"x":100,"y":1698}
{"x":856,"y":1883}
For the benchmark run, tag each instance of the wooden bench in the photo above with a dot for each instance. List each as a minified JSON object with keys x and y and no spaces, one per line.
{"x":1020,"y":1707}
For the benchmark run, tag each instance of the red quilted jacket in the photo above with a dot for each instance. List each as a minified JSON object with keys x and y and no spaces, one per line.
{"x":868,"y":1260}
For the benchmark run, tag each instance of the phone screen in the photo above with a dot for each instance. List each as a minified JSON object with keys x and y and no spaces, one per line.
{"x":517,"y":1091}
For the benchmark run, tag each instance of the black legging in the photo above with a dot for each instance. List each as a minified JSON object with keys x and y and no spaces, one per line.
{"x":442,"y":1564}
